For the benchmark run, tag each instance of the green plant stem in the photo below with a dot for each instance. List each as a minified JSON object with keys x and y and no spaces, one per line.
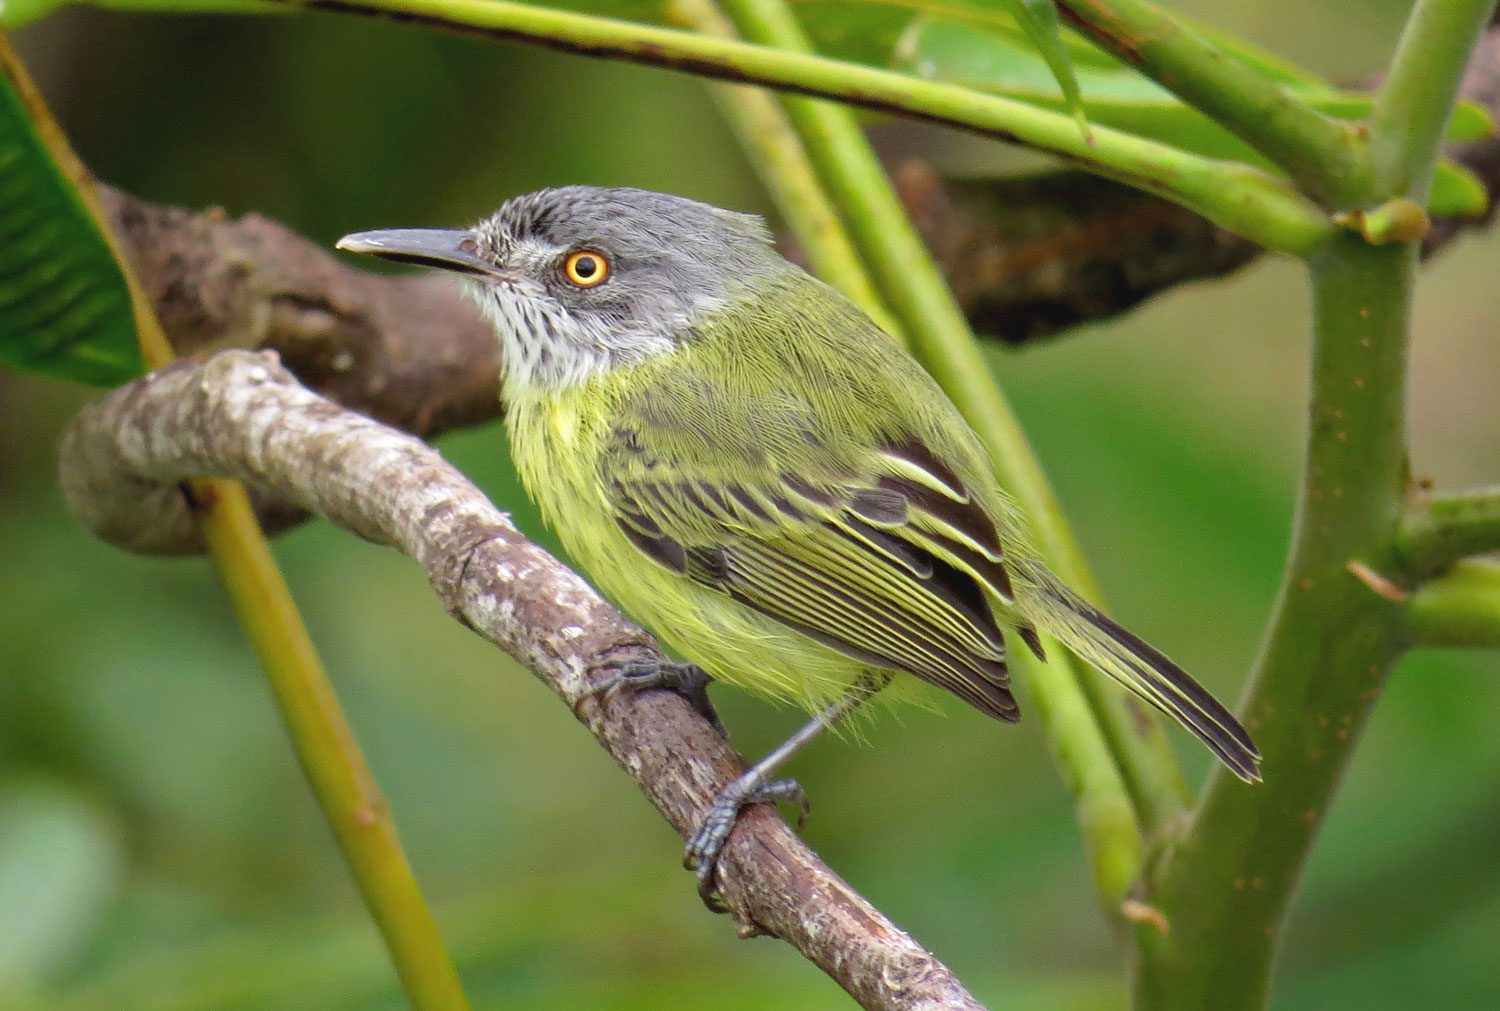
{"x":1459,"y":608}
{"x":1077,"y":710}
{"x":342,"y":782}
{"x":1411,"y":112}
{"x":771,"y":144}
{"x":1226,"y":885}
{"x":1327,"y":157}
{"x":1240,"y":198}
{"x":1446,"y":528}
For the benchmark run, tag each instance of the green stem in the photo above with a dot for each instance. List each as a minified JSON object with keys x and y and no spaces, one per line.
{"x":1077,"y":710}
{"x":1237,"y":197}
{"x":1417,"y":97}
{"x":1327,"y":157}
{"x":342,"y":782}
{"x":1459,"y":608}
{"x":771,"y":144}
{"x":1447,"y":528}
{"x":1226,"y":886}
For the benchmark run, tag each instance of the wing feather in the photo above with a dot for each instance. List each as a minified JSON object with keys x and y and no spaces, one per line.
{"x":898,"y":567}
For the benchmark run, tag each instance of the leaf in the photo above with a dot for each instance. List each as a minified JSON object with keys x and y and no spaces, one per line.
{"x":1457,"y":192}
{"x":65,"y":309}
{"x":1038,"y":19}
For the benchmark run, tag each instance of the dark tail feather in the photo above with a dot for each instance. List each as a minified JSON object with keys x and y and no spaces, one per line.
{"x":1173,"y":690}
{"x":1149,"y":673}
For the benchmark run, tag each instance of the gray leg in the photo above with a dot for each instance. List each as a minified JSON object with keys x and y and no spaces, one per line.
{"x":687,"y":680}
{"x":757,"y":787}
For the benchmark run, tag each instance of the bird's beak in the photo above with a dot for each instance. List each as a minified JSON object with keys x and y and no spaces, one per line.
{"x":447,"y":248}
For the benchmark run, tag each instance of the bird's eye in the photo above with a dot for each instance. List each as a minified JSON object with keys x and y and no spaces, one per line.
{"x":586,"y":267}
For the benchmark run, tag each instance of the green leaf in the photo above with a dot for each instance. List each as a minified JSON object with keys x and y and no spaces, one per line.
{"x":65,"y":309}
{"x":1470,"y":121}
{"x":1457,"y":192}
{"x":1038,"y":19}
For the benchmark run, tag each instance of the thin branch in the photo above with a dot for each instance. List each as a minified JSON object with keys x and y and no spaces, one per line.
{"x":1459,"y":608}
{"x":241,"y":414}
{"x":1327,"y":157}
{"x":1244,"y":199}
{"x":1413,"y":106}
{"x":1445,"y":528}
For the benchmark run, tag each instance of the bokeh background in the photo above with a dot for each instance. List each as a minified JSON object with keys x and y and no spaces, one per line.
{"x":158,"y":847}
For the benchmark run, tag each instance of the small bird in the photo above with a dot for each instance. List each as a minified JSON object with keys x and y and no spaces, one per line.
{"x":753,"y":469}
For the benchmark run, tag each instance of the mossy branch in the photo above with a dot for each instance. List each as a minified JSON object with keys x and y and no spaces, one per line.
{"x":240,"y":413}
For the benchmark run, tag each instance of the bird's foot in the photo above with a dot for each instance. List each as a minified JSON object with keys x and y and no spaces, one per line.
{"x":707,"y":842}
{"x":687,"y":680}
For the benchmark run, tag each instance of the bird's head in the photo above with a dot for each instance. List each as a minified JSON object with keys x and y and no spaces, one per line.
{"x":580,"y":279}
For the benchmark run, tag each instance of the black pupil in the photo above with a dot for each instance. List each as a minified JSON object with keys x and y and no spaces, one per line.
{"x":585,"y":267}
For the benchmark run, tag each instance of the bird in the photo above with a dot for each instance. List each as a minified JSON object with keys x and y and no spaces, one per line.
{"x":747,"y":464}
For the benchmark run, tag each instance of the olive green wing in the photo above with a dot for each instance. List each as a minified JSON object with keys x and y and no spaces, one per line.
{"x":891,"y":562}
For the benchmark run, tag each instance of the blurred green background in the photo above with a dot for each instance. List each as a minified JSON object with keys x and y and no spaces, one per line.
{"x":158,"y":848}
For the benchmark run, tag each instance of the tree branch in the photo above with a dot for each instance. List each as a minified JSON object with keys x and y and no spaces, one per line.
{"x":1256,"y":203}
{"x":1226,"y":886}
{"x":1416,"y":99}
{"x":1324,"y":155}
{"x":1026,"y":257}
{"x":242,"y":415}
{"x":1445,"y":528}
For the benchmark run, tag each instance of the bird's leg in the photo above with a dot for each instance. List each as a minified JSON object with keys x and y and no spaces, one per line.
{"x":756,"y":786}
{"x":687,"y":680}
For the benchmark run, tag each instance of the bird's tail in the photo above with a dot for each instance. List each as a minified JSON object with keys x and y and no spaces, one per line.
{"x":1146,"y":671}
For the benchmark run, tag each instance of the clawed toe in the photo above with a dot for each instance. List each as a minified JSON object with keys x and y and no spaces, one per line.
{"x":685,"y":679}
{"x":707,"y":842}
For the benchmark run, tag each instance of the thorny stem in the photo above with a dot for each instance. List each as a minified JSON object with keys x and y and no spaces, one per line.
{"x":1226,"y":885}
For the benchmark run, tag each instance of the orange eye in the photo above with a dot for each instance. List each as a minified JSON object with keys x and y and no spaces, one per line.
{"x":586,"y":267}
